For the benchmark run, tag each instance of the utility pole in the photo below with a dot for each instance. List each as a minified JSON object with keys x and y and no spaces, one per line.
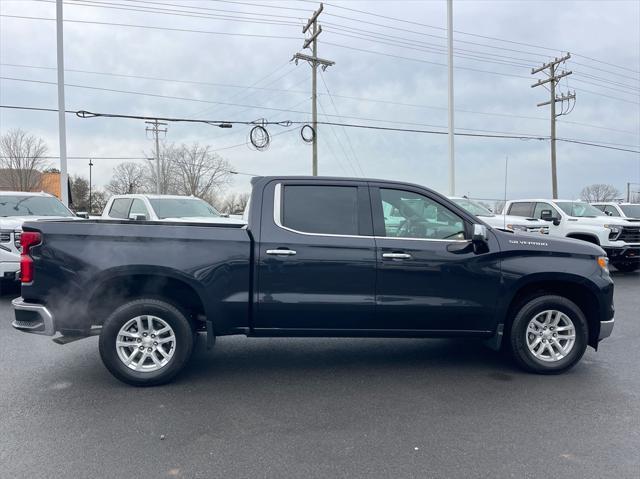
{"x":156,"y":130}
{"x":452,"y":164}
{"x":62,"y":126}
{"x":314,"y":61}
{"x":552,"y":80}
{"x":90,"y":168}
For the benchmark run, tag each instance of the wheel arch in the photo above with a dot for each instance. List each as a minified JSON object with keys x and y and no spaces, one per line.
{"x":122,"y":284}
{"x":588,"y":237}
{"x":574,"y":289}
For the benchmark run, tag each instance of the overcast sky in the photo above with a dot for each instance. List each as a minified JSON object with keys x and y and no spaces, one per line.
{"x":390,"y":62}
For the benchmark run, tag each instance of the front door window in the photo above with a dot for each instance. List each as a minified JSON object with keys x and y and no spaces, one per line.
{"x":411,"y":215}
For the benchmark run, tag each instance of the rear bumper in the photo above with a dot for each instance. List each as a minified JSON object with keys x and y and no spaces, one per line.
{"x":33,"y":318}
{"x":606,"y":327}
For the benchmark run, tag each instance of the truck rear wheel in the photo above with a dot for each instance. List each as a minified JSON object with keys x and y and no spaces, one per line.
{"x":549,"y":335}
{"x":146,"y":342}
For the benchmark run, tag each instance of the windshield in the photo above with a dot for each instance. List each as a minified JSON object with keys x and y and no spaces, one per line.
{"x":579,"y":209}
{"x":21,"y":205}
{"x":473,"y":207}
{"x":631,"y":211}
{"x":183,"y":208}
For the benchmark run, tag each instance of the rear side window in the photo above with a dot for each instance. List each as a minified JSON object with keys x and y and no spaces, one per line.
{"x":321,"y":209}
{"x":521,"y":209}
{"x":120,"y":208}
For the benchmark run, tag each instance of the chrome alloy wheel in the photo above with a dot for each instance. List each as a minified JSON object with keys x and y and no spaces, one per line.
{"x":551,"y":335}
{"x":146,"y":343}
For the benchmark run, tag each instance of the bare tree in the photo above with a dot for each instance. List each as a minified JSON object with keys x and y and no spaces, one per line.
{"x":234,"y":203}
{"x":199,"y":171}
{"x":128,"y":177}
{"x":21,"y":159}
{"x":599,"y":192}
{"x":99,"y":200}
{"x":168,"y":174}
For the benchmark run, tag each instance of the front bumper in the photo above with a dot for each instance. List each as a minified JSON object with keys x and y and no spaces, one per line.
{"x":33,"y":318}
{"x":605,"y":329}
{"x":626,"y":254}
{"x":9,"y":270}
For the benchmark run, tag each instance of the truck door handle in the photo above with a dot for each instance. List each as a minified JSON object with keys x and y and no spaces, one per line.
{"x":396,"y":255}
{"x":281,"y":252}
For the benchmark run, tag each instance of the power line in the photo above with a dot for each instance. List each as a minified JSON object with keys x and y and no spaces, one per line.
{"x":513,"y":42}
{"x":153,"y":27}
{"x":335,"y":95}
{"x":85,"y":114}
{"x":335,"y":108}
{"x":168,"y":11}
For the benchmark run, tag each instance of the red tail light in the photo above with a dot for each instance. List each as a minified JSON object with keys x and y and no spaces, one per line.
{"x":27,"y":240}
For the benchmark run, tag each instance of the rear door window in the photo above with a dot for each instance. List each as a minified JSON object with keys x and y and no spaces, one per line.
{"x":524,"y":209}
{"x":138,"y":209}
{"x":320,"y":209}
{"x":120,"y":208}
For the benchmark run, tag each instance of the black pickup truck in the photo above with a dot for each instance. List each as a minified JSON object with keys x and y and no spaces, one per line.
{"x":318,"y":257}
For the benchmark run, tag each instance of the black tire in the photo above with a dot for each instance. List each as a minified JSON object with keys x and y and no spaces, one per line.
{"x":184,"y":340}
{"x":627,"y":267}
{"x":518,"y":334}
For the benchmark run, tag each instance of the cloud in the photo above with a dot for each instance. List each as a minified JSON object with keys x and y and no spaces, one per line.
{"x":587,"y":29}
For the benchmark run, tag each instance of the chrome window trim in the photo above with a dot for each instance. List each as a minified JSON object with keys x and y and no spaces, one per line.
{"x":277,"y":219}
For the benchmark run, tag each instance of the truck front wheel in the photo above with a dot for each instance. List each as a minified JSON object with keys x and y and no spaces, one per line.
{"x":146,"y":342}
{"x":549,"y":335}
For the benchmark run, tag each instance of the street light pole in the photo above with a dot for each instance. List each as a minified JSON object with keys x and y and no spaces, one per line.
{"x":90,"y":165}
{"x":62,"y":128}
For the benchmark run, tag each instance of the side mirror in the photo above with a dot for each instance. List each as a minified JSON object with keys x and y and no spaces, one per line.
{"x":608,"y":213}
{"x":82,"y":214}
{"x":480,"y":239}
{"x":546,"y":215}
{"x":480,"y":234}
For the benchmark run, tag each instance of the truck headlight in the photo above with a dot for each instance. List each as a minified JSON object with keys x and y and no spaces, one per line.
{"x":614,"y":231}
{"x":517,"y":227}
{"x":603,"y":262}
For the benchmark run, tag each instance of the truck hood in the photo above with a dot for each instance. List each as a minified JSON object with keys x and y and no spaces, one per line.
{"x":200,"y":219}
{"x":547,"y":244}
{"x":499,"y":221}
{"x":601,"y":221}
{"x":15,"y":222}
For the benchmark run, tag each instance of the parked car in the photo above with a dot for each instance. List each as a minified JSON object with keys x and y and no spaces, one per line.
{"x":630,"y":211}
{"x":620,"y":238}
{"x":164,"y":208}
{"x":16,"y":207}
{"x":315,"y":259}
{"x":515,"y":223}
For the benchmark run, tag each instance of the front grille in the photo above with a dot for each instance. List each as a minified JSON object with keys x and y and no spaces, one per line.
{"x":630,"y":234}
{"x":5,"y":236}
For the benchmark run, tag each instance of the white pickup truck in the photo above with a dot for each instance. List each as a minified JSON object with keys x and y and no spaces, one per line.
{"x":619,"y":237}
{"x":16,"y":207}
{"x":623,"y":210}
{"x":514,"y":223}
{"x":147,"y":207}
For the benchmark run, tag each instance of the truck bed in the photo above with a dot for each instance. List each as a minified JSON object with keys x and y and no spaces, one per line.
{"x":91,"y":263}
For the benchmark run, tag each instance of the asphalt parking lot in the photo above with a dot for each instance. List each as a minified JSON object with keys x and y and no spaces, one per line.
{"x":323,"y":408}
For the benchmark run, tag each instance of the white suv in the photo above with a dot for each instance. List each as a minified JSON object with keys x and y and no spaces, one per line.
{"x":16,"y":207}
{"x":623,"y":210}
{"x":619,"y":237}
{"x":164,"y":208}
